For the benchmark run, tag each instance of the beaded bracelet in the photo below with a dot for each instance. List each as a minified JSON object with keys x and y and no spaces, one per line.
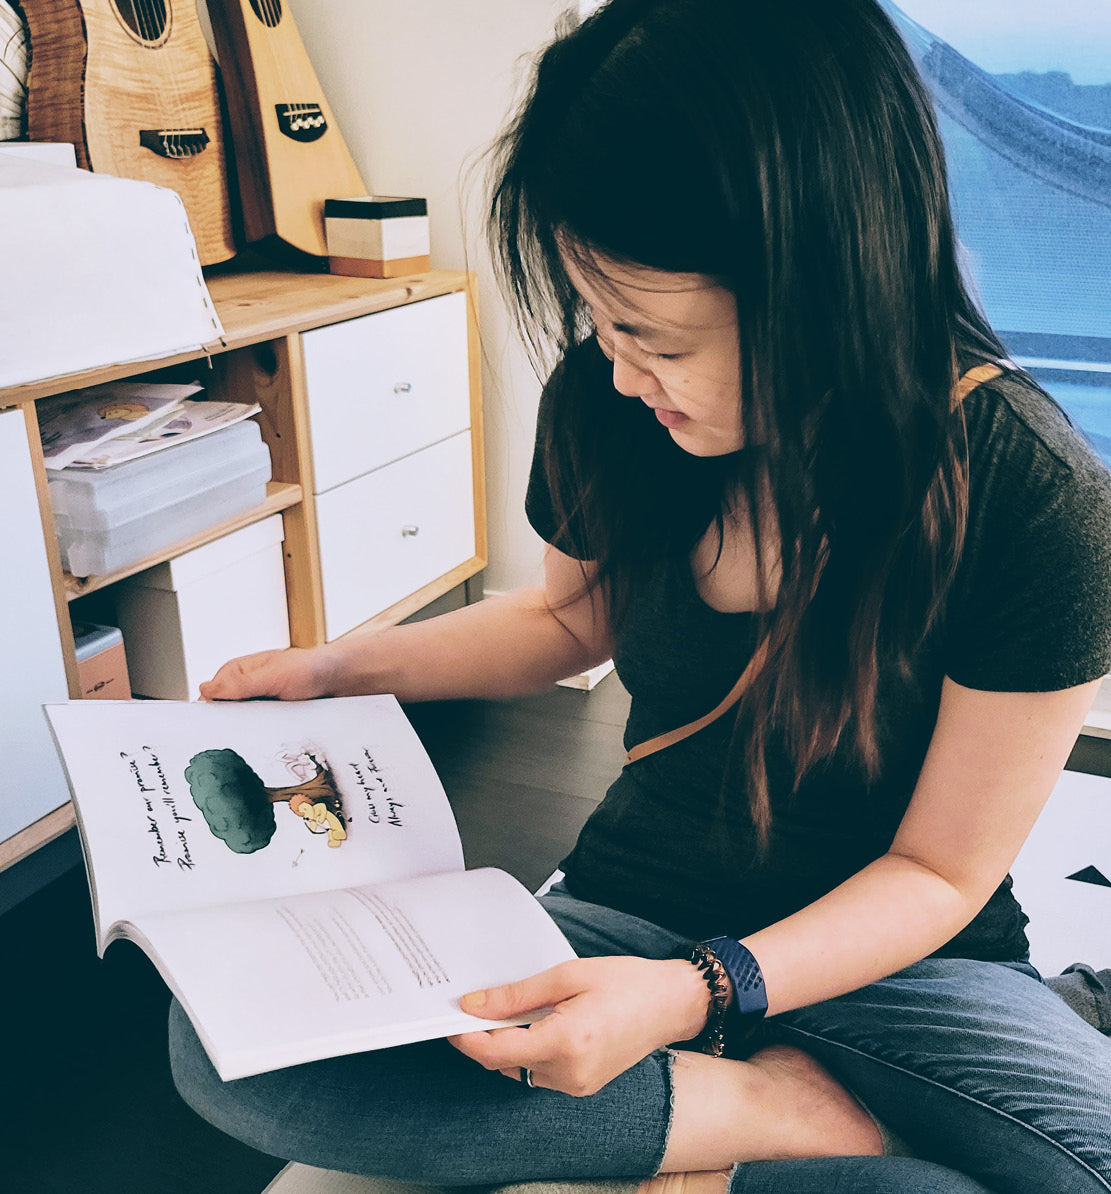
{"x":703,"y":958}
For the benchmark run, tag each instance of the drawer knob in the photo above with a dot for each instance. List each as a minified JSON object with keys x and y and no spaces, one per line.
{"x":409,"y":531}
{"x":403,"y":387}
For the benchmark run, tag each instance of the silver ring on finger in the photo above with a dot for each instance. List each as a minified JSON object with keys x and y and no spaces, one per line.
{"x":526,"y":1078}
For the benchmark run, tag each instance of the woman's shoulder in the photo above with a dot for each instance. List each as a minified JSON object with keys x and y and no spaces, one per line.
{"x":1015,"y":425}
{"x":1031,"y":610}
{"x":1030,"y":465}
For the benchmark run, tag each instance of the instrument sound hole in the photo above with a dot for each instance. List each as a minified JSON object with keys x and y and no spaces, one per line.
{"x":269,"y":12}
{"x":146,"y":20}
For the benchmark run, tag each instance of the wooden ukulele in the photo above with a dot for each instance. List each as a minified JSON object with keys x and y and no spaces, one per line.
{"x":132,"y":84}
{"x":289,"y":154}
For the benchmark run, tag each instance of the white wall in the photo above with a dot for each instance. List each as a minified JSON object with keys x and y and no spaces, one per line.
{"x":419,"y":89}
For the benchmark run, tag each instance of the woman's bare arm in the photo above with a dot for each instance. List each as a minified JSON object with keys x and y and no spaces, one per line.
{"x":504,"y":646}
{"x":991,"y":766}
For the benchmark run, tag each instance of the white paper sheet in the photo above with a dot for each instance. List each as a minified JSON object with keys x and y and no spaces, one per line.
{"x":95,"y":270}
{"x":1070,"y":917}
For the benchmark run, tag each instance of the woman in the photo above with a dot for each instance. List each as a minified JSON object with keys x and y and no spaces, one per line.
{"x":756,"y":457}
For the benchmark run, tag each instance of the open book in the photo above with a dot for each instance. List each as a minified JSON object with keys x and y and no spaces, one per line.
{"x":294,"y":871}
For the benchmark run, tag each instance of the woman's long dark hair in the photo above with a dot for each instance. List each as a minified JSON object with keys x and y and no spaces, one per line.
{"x":788,"y":150}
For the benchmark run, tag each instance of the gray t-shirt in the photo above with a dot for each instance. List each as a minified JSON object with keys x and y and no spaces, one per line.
{"x":1030,"y":610}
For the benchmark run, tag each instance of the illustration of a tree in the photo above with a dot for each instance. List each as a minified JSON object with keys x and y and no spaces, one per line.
{"x":239,"y":807}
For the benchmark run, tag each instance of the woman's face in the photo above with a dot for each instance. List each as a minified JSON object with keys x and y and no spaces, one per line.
{"x":673,"y":342}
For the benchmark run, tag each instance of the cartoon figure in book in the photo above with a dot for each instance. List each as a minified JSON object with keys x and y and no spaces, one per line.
{"x":239,"y":807}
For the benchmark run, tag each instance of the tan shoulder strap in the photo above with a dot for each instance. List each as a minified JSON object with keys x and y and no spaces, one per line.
{"x":692,"y":727}
{"x":976,"y":376}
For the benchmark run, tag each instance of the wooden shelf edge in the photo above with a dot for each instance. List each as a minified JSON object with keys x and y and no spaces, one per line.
{"x":27,"y":841}
{"x":265,"y":306}
{"x":31,"y":391}
{"x":280,"y":496}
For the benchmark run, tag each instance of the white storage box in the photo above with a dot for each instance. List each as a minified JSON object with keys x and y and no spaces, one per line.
{"x":183,"y":619}
{"x":111,"y":518}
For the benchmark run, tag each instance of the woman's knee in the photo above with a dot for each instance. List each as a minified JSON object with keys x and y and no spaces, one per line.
{"x":230,"y":1106}
{"x":426,"y":1113}
{"x":979,"y":1066}
{"x":361,"y":1113}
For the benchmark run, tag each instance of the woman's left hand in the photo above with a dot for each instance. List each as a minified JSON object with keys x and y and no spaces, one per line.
{"x":607,"y":1014}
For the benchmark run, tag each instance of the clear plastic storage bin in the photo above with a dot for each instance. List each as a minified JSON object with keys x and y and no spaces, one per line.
{"x":110,"y":519}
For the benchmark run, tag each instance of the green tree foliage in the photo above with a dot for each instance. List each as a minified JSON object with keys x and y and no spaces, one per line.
{"x":235,"y":802}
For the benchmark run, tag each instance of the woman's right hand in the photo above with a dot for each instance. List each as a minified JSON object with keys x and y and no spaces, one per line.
{"x":293,"y":674}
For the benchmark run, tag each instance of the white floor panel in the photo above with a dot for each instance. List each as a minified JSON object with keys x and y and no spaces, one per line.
{"x":306,"y":1179}
{"x":1070,"y":919}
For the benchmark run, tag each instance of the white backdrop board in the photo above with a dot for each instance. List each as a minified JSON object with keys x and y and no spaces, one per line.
{"x":1063,"y":876}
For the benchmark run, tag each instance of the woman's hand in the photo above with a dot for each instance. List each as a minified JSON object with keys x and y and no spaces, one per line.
{"x":608,"y":1014}
{"x":294,"y":674}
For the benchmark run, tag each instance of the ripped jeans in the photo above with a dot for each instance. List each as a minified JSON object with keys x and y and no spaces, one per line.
{"x":983,"y":1071}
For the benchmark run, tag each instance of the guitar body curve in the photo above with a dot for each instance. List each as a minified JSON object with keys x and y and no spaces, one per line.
{"x":289,"y":153}
{"x":137,"y":100}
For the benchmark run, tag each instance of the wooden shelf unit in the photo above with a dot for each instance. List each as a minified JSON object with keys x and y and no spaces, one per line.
{"x":258,"y":359}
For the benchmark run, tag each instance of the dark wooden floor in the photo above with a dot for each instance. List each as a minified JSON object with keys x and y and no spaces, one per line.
{"x":86,"y":1101}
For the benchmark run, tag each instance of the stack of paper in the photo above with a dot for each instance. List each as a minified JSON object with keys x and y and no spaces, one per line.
{"x":98,"y":427}
{"x":97,"y":271}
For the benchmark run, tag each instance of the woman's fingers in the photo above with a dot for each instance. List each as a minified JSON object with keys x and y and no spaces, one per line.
{"x":508,"y":1049}
{"x":527,"y":995}
{"x":290,"y":674}
{"x":607,"y":1015}
{"x":245,"y":677}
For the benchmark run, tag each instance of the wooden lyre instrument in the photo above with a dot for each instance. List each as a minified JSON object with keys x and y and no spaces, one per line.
{"x":13,"y":72}
{"x":132,"y":85}
{"x":289,"y":154}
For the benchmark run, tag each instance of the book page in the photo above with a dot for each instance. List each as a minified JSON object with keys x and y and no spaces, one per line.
{"x":320,"y":974}
{"x":185,"y":804}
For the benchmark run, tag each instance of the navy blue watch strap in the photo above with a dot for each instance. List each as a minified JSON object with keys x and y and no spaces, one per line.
{"x":750,"y":997}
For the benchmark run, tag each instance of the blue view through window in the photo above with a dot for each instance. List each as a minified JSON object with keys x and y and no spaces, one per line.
{"x":1023,"y":95}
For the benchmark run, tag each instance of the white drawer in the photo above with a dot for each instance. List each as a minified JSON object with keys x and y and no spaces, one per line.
{"x":388,"y":533}
{"x":384,"y":385}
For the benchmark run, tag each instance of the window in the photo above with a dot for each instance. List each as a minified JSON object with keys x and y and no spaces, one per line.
{"x":1023,"y":93}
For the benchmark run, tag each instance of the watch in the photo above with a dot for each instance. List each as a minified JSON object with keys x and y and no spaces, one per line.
{"x":750,"y":996}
